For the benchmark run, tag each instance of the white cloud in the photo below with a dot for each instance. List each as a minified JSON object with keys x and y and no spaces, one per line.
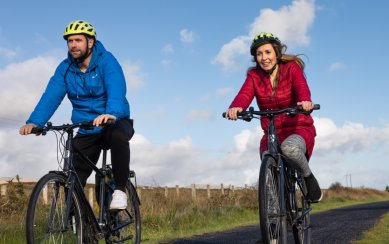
{"x":225,"y":91}
{"x":187,"y":36}
{"x":166,"y":63}
{"x":285,"y":22}
{"x":22,"y":84}
{"x":199,"y":115}
{"x":337,"y":66}
{"x":168,"y":48}
{"x":134,"y":77}
{"x":230,"y":51}
{"x":7,"y":53}
{"x":351,"y":137}
{"x":28,"y":156}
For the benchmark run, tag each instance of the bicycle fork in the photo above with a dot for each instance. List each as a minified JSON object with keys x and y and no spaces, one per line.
{"x":281,"y":182}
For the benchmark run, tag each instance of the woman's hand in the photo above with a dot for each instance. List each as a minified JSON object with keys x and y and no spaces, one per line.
{"x":232,"y":113}
{"x":307,"y":105}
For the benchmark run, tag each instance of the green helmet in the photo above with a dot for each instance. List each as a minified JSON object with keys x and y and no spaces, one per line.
{"x":262,"y":38}
{"x":79,"y":27}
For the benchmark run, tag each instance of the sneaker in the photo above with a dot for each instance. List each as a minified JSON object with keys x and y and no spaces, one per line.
{"x":314,"y":194}
{"x":119,"y":200}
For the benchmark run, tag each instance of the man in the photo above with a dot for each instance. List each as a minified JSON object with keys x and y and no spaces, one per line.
{"x":94,"y":82}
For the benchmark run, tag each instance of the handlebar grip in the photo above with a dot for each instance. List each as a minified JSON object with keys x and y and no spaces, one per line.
{"x":316,"y":106}
{"x":224,"y":115}
{"x":109,"y":122}
{"x":37,"y":130}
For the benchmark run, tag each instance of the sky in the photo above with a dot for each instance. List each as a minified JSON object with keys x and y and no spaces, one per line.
{"x":184,"y":62}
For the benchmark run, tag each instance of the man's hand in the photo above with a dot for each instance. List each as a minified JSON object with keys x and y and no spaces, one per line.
{"x":26,"y":129}
{"x":103,"y":119}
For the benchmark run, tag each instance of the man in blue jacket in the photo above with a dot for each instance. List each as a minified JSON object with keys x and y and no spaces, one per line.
{"x":94,"y":82}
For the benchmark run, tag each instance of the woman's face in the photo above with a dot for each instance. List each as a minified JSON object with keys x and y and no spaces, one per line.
{"x":266,"y":56}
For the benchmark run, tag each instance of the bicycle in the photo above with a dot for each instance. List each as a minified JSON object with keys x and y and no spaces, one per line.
{"x":282,"y":193}
{"x":58,"y":209}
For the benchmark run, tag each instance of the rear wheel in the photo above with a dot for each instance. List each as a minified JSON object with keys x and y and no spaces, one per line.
{"x":47,"y":220}
{"x":302,"y":227}
{"x":272,"y":220}
{"x":126,"y":224}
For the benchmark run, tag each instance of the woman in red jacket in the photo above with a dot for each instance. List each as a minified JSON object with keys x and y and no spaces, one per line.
{"x":278,"y":81}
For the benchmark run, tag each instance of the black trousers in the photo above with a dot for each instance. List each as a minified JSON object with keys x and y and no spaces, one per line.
{"x":115,"y":137}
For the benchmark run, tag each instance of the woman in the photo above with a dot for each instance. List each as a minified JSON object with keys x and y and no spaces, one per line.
{"x":278,"y":81}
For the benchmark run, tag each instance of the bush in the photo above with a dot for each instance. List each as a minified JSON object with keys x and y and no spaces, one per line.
{"x":336,"y":186}
{"x":16,"y":200}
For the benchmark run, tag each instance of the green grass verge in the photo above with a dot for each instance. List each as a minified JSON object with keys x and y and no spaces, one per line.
{"x":378,"y":234}
{"x":334,"y":204}
{"x":12,"y":234}
{"x":197,"y":223}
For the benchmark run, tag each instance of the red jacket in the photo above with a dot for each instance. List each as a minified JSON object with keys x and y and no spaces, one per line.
{"x":292,"y":88}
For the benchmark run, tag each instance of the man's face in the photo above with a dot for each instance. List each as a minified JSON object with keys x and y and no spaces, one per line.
{"x":77,"y":45}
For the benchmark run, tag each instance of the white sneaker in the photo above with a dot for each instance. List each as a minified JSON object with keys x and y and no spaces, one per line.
{"x":119,"y":200}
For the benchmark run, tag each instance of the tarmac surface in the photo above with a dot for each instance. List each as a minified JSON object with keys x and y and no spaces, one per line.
{"x":343,"y":225}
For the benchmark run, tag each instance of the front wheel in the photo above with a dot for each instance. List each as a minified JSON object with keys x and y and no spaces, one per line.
{"x":272,"y":220}
{"x":48,"y":220}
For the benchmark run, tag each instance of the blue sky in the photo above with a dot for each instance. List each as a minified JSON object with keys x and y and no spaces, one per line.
{"x":184,"y":62}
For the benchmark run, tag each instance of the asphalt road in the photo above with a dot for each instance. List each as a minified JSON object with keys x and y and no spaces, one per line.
{"x":342,"y":226}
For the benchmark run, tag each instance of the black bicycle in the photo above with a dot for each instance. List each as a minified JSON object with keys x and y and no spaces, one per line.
{"x":58,"y":209}
{"x":282,"y":193}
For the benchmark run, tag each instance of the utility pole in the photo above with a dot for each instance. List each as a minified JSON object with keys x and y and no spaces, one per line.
{"x":348,"y":180}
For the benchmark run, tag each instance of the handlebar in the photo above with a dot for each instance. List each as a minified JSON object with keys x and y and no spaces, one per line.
{"x":87,"y":125}
{"x":248,"y":115}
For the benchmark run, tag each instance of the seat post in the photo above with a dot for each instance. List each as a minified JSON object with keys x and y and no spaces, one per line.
{"x":104,"y":163}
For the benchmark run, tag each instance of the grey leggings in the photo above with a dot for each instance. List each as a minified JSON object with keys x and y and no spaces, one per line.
{"x":294,"y":149}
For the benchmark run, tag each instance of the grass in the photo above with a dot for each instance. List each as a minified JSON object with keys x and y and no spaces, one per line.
{"x":176,"y":216}
{"x":379,"y":234}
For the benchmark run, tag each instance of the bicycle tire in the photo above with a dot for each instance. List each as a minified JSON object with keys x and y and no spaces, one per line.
{"x":125,"y":225}
{"x":46,"y":212}
{"x":272,"y":220}
{"x":302,"y":228}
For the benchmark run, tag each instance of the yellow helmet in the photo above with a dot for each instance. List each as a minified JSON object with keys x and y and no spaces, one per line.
{"x":262,"y":38}
{"x":79,"y":27}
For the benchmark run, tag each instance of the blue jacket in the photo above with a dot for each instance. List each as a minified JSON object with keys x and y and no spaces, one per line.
{"x":100,"y":90}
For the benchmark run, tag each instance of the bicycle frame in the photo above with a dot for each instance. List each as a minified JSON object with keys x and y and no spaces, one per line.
{"x":285,"y":185}
{"x":74,"y":183}
{"x":286,"y":174}
{"x":70,"y":215}
{"x":275,"y":152}
{"x":73,"y":180}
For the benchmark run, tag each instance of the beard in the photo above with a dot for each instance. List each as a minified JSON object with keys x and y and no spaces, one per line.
{"x":80,"y":55}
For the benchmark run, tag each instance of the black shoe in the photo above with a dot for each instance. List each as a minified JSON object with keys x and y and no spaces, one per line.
{"x":314,"y":194}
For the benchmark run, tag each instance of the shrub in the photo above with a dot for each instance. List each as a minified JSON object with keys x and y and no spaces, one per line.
{"x":16,"y":199}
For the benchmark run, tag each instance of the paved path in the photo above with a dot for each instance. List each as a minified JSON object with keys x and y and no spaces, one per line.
{"x":341,"y":226}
